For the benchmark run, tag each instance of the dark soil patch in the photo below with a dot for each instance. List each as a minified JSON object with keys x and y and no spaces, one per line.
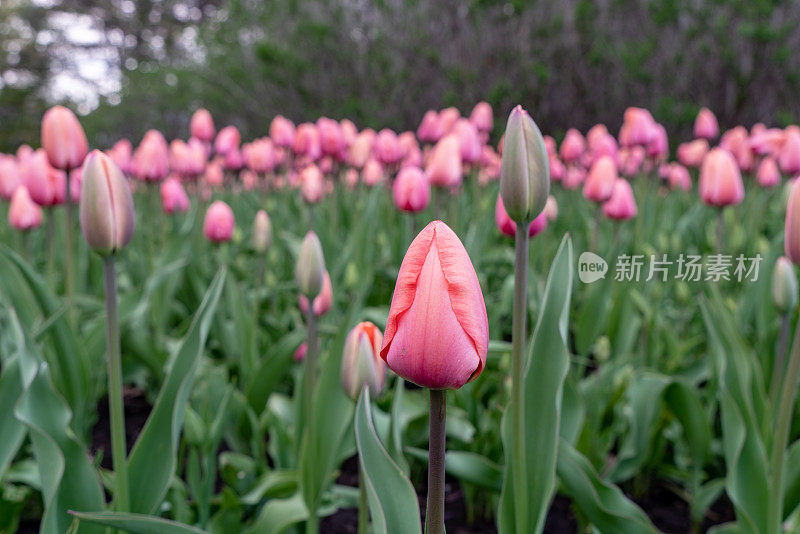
{"x":137,"y":409}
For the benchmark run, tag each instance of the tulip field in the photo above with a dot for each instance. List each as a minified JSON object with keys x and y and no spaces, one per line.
{"x":475,"y":326}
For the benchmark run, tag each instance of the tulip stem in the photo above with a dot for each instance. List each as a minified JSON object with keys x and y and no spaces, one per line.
{"x":434,"y":511}
{"x":69,"y":257}
{"x":782,"y":427}
{"x":363,"y":511}
{"x":309,"y":380}
{"x":51,"y":251}
{"x":115,"y":403}
{"x":720,"y":228}
{"x":518,"y":343}
{"x":779,"y":363}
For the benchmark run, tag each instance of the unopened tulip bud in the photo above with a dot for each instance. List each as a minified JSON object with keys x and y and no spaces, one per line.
{"x":310,"y":269}
{"x":106,"y":209}
{"x":525,"y":171}
{"x":63,"y":138}
{"x":219,"y":223}
{"x":784,"y":286}
{"x":361,"y":361}
{"x":262,"y":232}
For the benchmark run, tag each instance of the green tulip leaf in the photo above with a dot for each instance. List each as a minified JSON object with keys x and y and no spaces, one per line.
{"x":137,"y":523}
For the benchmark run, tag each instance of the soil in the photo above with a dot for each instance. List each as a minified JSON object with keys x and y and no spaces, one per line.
{"x":137,"y":409}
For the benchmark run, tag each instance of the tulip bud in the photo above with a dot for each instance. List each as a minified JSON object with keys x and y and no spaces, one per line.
{"x":63,"y":138}
{"x":106,"y":209}
{"x":310,"y":269}
{"x":23,"y":213}
{"x":219,"y":223}
{"x":262,"y":232}
{"x":524,"y":172}
{"x":361,"y":362}
{"x":784,"y":286}
{"x":437,"y":333}
{"x":322,"y":302}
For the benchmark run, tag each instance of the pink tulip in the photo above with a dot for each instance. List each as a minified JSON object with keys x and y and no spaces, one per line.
{"x":622,"y":205}
{"x":23,"y":213}
{"x":23,"y":151}
{"x":312,"y":184}
{"x":551,"y":209}
{"x":228,"y":140}
{"x":122,"y":154}
{"x":351,"y":178}
{"x":448,"y":118}
{"x":599,"y":184}
{"x":173,"y":196}
{"x":638,"y":127}
{"x":767,"y":142}
{"x":372,"y":173}
{"x":444,"y":166}
{"x":9,"y":176}
{"x":300,"y":354}
{"x":282,"y":132}
{"x":202,"y":126}
{"x":76,"y":184}
{"x":219,"y":222}
{"x":631,"y":160}
{"x":63,"y":138}
{"x":573,"y":177}
{"x":508,"y":227}
{"x":47,"y":186}
{"x":720,"y":180}
{"x":679,"y":178}
{"x":482,"y":117}
{"x":572,"y":146}
{"x":658,"y":147}
{"x":322,"y":302}
{"x":557,"y":169}
{"x":431,"y":129}
{"x":791,"y":240}
{"x":691,"y":154}
{"x":789,"y":154}
{"x":386,"y":147}
{"x":705,"y":125}
{"x":349,"y":131}
{"x":603,"y":144}
{"x":331,"y":138}
{"x":469,"y":141}
{"x":214,"y":174}
{"x":411,"y":191}
{"x":259,"y":156}
{"x":768,"y":174}
{"x":361,"y":149}
{"x":151,"y":159}
{"x":306,"y":142}
{"x":362,"y":365}
{"x":437,"y":334}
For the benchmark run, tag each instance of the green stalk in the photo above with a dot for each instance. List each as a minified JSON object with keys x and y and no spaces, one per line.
{"x":51,"y":250}
{"x":69,"y":258}
{"x":779,"y":363}
{"x":782,"y":428}
{"x":115,"y":405}
{"x":720,"y":229}
{"x":363,"y":511}
{"x":518,"y":342}
{"x":434,"y":511}
{"x":309,"y":381}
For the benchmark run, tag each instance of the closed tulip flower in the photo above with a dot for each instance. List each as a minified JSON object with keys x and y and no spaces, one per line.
{"x":63,"y":139}
{"x":361,"y":149}
{"x":768,"y":174}
{"x":791,"y":240}
{"x":444,"y":166}
{"x":282,"y":132}
{"x":151,"y":159}
{"x":173,"y":196}
{"x":46,"y":185}
{"x":387,"y":148}
{"x":525,"y":170}
{"x":362,"y":365}
{"x":720,"y":180}
{"x":508,"y":227}
{"x":572,"y":146}
{"x":638,"y":127}
{"x":679,"y":178}
{"x":122,"y":154}
{"x":482,"y":117}
{"x":10,"y":177}
{"x":691,"y":154}
{"x":372,"y":173}
{"x":430,"y":129}
{"x":448,"y":118}
{"x":411,"y":191}
{"x":784,"y":286}
{"x":106,"y":209}
{"x":551,"y":209}
{"x":219,"y":223}
{"x":312,"y":184}
{"x":228,"y":140}
{"x":621,"y":206}
{"x":306,"y":142}
{"x":331,"y":138}
{"x":310,"y":271}
{"x":600,"y":181}
{"x":469,"y":140}
{"x":705,"y":125}
{"x":202,"y":125}
{"x":789,"y":154}
{"x":23,"y":213}
{"x":322,"y":302}
{"x":262,"y":232}
{"x":437,"y":333}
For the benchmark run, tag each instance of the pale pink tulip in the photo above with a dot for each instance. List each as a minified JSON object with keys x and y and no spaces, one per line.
{"x":219,"y":222}
{"x":720,"y":180}
{"x":23,"y":213}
